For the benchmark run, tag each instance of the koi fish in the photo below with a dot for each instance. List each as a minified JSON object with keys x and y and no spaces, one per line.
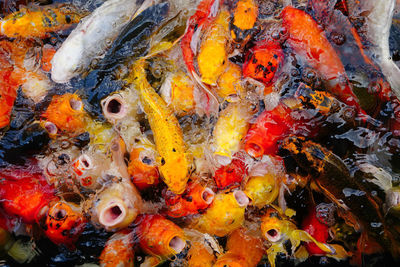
{"x":278,"y":229}
{"x":92,"y":37}
{"x":244,"y":18}
{"x":116,"y":206}
{"x":332,"y":178}
{"x":242,"y":249}
{"x":64,"y":223}
{"x":177,"y":91}
{"x":213,"y":55}
{"x":309,"y":42}
{"x":159,"y":236}
{"x":8,"y":95}
{"x":200,"y":255}
{"x":230,"y":130}
{"x":262,"y":190}
{"x":195,"y":198}
{"x":263,"y":62}
{"x":25,"y":193}
{"x":270,"y":126}
{"x":34,"y":82}
{"x":317,"y":224}
{"x":230,"y":86}
{"x":39,"y":21}
{"x":174,"y":163}
{"x":142,"y":167}
{"x":118,"y":250}
{"x":232,"y":174}
{"x":376,"y":31}
{"x":66,"y":113}
{"x":225,"y":214}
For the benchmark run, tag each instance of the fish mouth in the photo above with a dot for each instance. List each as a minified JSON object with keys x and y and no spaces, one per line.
{"x":241,"y":198}
{"x":113,"y":214}
{"x":208,"y":195}
{"x":114,"y":107}
{"x":177,"y":244}
{"x":85,"y":161}
{"x":273,"y":235}
{"x":51,"y":128}
{"x":255,"y":150}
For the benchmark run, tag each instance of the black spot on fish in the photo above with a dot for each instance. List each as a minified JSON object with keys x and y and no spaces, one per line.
{"x":68,"y":19}
{"x":162,"y":161}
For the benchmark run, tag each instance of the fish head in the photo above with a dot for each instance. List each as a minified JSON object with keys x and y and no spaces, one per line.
{"x":64,"y":223}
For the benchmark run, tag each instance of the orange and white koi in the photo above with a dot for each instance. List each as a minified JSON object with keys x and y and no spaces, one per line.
{"x":174,"y":162}
{"x":159,"y":236}
{"x":116,"y":206}
{"x":39,"y":21}
{"x":66,"y":113}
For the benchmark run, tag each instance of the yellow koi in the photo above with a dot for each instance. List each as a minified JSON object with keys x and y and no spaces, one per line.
{"x":231,"y":128}
{"x":174,"y":164}
{"x":230,"y":86}
{"x":213,"y":55}
{"x":40,"y":21}
{"x":224,"y":215}
{"x":262,"y":190}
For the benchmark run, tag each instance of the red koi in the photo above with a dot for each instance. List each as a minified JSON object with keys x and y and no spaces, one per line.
{"x":231,"y":175}
{"x":25,"y":193}
{"x":316,"y":229}
{"x":195,"y":198}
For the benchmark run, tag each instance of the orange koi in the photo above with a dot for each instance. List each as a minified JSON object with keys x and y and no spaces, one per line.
{"x":310,"y":43}
{"x":64,"y":223}
{"x":200,"y":256}
{"x":243,"y":21}
{"x":118,"y":250}
{"x":142,"y":168}
{"x":8,"y":94}
{"x":48,"y":53}
{"x":243,"y":250}
{"x":39,"y":21}
{"x":195,"y":198}
{"x":159,"y":236}
{"x":66,"y":112}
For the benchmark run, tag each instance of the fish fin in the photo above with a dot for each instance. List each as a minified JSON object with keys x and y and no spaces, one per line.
{"x":272,"y":252}
{"x":301,"y":254}
{"x":299,"y":235}
{"x":340,"y":253}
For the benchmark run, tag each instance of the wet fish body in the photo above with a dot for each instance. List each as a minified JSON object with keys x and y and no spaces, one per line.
{"x":91,"y":38}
